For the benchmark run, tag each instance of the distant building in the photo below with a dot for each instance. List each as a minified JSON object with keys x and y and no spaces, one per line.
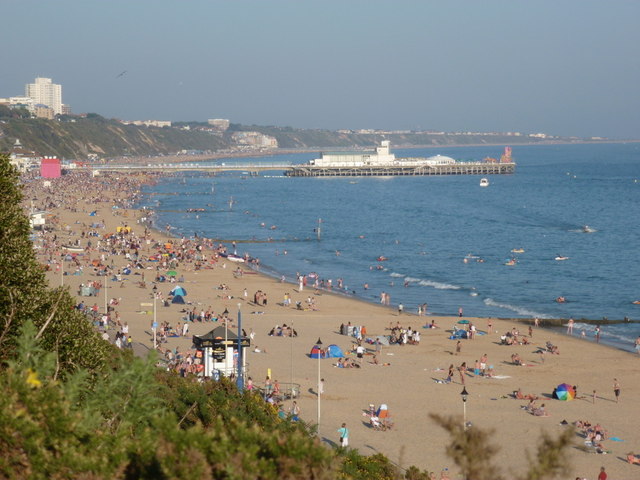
{"x":255,"y":140}
{"x":42,"y":111}
{"x":22,"y":158}
{"x":221,"y":124}
{"x":148,"y":123}
{"x":45,"y":92}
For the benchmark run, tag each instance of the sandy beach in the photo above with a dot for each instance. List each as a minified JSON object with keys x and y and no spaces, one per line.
{"x":408,"y":378}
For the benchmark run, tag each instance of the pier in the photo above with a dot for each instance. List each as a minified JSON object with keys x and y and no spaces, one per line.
{"x":307,"y":170}
{"x":459,"y":168}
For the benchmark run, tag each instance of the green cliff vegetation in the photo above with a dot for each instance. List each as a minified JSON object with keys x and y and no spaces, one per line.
{"x":75,"y":137}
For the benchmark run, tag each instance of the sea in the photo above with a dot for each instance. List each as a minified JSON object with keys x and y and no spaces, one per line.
{"x":445,"y":240}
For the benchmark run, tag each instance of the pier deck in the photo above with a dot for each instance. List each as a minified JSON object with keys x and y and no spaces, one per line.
{"x":466,"y":168}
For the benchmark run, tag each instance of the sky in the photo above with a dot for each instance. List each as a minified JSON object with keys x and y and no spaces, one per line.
{"x":569,"y":68}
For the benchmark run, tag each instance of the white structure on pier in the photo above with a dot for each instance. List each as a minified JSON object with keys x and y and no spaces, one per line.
{"x":382,"y":157}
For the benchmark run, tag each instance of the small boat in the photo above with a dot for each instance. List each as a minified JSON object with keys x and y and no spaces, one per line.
{"x":382,"y":258}
{"x":587,"y":229}
{"x":561,"y":299}
{"x":511,"y":262}
{"x":232,"y":257}
{"x":560,"y":258}
{"x":517,"y":250}
{"x":484,"y":182}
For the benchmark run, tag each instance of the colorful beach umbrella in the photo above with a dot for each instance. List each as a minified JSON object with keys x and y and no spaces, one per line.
{"x":172,"y":273}
{"x":464,"y":322}
{"x":565,"y":392}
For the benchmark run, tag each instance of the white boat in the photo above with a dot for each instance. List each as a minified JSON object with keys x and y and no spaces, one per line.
{"x":587,"y":229}
{"x":560,"y":258}
{"x":232,"y":257}
{"x":484,"y":182}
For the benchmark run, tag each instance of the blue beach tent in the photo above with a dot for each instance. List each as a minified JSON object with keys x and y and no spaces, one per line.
{"x":178,"y":299}
{"x":334,"y":351}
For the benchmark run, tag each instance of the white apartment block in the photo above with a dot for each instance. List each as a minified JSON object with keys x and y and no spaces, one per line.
{"x":45,"y":92}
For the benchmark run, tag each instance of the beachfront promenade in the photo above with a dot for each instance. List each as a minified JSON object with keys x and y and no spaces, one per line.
{"x":193,"y":167}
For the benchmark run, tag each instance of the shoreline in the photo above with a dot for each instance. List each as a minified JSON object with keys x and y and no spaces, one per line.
{"x":405,"y":379}
{"x":557,"y":324}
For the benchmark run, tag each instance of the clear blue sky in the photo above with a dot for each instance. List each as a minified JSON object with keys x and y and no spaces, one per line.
{"x":569,"y":67}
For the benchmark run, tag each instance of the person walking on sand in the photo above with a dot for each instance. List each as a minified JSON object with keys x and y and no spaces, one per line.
{"x":570,"y":327}
{"x":602,"y":475}
{"x":460,"y":312}
{"x":597,"y":332}
{"x":616,"y":389}
{"x":344,"y":436}
{"x":400,"y":309}
{"x":637,"y":345}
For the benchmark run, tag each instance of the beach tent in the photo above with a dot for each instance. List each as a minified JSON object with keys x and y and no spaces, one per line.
{"x":316,"y":352}
{"x":178,"y":299}
{"x":178,"y":291}
{"x":565,"y":392}
{"x":334,"y":351}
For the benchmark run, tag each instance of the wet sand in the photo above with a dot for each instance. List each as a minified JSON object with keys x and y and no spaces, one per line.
{"x":407,"y":384}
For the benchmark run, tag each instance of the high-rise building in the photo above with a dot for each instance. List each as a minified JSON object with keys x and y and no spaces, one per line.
{"x":45,"y":92}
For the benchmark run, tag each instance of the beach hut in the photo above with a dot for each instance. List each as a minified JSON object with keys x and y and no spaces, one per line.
{"x":219,"y":350}
{"x":334,"y":351}
{"x":316,"y":352}
{"x":178,"y":299}
{"x":50,"y":167}
{"x":178,"y":291}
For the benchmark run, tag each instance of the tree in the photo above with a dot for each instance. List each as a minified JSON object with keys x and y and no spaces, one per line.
{"x":25,"y":295}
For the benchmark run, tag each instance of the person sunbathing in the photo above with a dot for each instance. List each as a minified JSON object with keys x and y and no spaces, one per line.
{"x":521,"y":396}
{"x":515,"y":358}
{"x":632,"y":458}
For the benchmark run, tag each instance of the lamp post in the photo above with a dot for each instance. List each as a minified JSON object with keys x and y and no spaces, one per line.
{"x":240,"y":379}
{"x":292,"y":395}
{"x":464,"y":394}
{"x":319,"y":342}
{"x":154,"y":326}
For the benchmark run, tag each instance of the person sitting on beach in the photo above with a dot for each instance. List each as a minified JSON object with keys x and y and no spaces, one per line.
{"x":374,"y":421}
{"x":552,"y":348}
{"x":540,"y":411}
{"x":516,"y":360}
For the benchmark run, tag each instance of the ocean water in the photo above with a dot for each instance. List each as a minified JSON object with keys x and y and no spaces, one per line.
{"x":446,"y":239}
